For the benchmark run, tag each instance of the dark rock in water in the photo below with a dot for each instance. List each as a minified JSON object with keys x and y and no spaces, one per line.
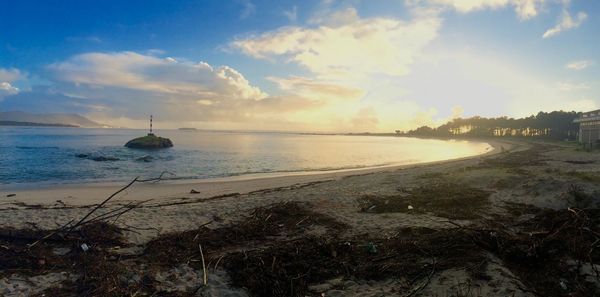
{"x":194,"y":192}
{"x":146,"y":158}
{"x":82,"y":155}
{"x":150,"y":141}
{"x":103,"y":159}
{"x":11,"y":195}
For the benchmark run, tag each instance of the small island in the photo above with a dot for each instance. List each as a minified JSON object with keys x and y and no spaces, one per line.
{"x":149,"y":141}
{"x":188,"y":129}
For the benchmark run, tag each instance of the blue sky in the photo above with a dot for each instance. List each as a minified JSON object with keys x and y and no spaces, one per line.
{"x":323,"y":65}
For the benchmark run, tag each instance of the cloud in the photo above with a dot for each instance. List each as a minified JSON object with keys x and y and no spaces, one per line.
{"x":10,"y":75}
{"x":291,"y":15}
{"x":568,"y":86}
{"x":131,"y":70}
{"x":322,"y":90}
{"x":43,"y":100}
{"x":6,"y":89}
{"x":566,"y":22}
{"x":525,"y":9}
{"x":579,"y":65}
{"x":344,"y":44}
{"x":7,"y":77}
{"x":128,"y":86}
{"x":485,"y":84}
{"x":365,"y":120}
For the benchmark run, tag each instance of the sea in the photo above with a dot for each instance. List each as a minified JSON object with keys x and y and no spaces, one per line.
{"x":53,"y":155}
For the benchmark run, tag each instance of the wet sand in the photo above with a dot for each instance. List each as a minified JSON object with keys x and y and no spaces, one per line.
{"x":170,"y":190}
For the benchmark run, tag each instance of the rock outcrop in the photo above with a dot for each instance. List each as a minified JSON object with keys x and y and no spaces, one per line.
{"x":150,"y":141}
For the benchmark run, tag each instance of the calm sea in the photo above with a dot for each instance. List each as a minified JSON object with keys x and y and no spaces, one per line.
{"x":66,"y":155}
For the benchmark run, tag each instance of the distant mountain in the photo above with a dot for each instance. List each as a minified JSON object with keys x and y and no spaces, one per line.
{"x":63,"y":119}
{"x":13,"y":123}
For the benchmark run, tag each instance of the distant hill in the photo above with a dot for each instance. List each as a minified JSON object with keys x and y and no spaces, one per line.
{"x":13,"y":123}
{"x":54,"y":119}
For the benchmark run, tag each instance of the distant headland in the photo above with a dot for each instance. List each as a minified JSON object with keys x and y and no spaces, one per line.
{"x":29,"y":124}
{"x":21,"y":118}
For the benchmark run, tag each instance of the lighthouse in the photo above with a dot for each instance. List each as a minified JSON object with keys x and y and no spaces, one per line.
{"x":150,"y":134}
{"x":149,"y":141}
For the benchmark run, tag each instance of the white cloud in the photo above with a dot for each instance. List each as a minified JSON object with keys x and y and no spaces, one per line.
{"x":365,"y":119}
{"x":487,"y":85}
{"x":10,"y":75}
{"x":566,"y":22}
{"x":7,"y":77}
{"x":291,"y":15}
{"x":132,"y":85}
{"x":568,"y":86}
{"x":344,"y":44}
{"x":131,"y":70}
{"x":579,"y":65}
{"x":525,"y":9}
{"x":6,"y":89}
{"x":322,"y":90}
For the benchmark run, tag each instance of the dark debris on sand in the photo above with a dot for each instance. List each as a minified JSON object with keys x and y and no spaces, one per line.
{"x":272,"y":253}
{"x":443,"y":199}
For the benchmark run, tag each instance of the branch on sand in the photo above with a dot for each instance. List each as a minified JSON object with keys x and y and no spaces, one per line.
{"x":115,"y":213}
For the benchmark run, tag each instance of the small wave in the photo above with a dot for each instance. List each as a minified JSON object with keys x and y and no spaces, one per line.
{"x":37,"y":147}
{"x":321,"y":169}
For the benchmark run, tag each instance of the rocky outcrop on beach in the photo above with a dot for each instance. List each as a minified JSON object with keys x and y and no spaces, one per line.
{"x":149,"y":141}
{"x":104,"y":159}
{"x":97,"y":158}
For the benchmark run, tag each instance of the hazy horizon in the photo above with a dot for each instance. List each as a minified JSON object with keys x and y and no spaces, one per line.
{"x":315,"y":66}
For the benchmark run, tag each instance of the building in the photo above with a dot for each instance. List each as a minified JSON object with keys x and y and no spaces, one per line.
{"x":589,"y":128}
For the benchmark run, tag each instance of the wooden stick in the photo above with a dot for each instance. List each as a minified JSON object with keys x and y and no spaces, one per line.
{"x":425,"y":283}
{"x":203,"y":265}
{"x":104,"y":202}
{"x":115,"y":213}
{"x":156,"y":179}
{"x":51,"y":234}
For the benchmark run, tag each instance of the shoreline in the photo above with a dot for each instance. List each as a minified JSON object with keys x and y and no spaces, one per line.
{"x":92,"y":193}
{"x":444,"y":208}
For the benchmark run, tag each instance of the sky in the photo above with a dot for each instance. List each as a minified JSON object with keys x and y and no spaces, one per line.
{"x":313,"y":65}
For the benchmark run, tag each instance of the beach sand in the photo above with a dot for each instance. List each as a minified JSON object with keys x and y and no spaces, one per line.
{"x":514,"y":173}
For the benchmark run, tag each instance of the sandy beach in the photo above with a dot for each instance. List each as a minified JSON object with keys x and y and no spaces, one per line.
{"x":367,"y":209}
{"x":172,"y":190}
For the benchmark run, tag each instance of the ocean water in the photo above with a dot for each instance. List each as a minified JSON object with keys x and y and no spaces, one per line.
{"x":41,"y":155}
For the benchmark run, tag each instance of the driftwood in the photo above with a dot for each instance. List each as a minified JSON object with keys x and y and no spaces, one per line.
{"x":115,"y":213}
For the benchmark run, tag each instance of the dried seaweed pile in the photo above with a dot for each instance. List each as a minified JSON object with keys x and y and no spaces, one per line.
{"x":283,"y":220}
{"x":283,"y":248}
{"x":546,"y":254}
{"x":444,"y":199}
{"x":288,"y":268}
{"x":273,"y":253}
{"x":549,"y":251}
{"x":80,"y":252}
{"x":530,"y":157}
{"x":102,"y":272}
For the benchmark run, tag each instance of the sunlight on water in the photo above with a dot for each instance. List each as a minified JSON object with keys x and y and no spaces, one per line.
{"x":66,"y":155}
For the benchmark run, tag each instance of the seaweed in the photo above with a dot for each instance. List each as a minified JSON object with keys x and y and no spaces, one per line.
{"x":444,"y":199}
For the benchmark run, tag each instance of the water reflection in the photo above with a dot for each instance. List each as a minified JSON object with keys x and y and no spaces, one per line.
{"x":49,"y":154}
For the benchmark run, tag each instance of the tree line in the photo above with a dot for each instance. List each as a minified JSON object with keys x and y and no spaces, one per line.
{"x":550,"y":125}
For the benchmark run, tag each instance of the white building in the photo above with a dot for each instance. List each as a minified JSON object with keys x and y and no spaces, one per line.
{"x":589,"y":128}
